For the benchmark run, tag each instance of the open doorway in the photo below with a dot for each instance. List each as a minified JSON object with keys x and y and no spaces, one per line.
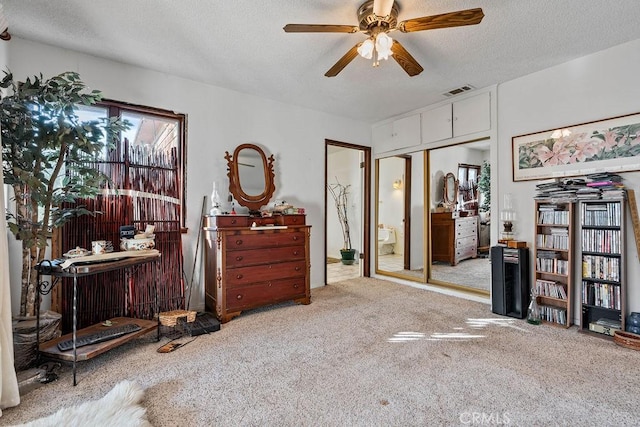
{"x":347,"y":167}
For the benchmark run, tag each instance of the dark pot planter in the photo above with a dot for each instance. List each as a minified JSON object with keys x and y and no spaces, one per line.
{"x":348,"y":256}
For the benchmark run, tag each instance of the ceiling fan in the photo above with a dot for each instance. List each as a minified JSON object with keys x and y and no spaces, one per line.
{"x":377,"y":18}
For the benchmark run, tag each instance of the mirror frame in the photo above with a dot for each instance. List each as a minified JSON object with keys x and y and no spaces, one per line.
{"x":450,"y":183}
{"x":252,"y":202}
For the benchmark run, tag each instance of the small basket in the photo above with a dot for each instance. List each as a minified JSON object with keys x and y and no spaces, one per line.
{"x":170,"y":318}
{"x":627,"y":339}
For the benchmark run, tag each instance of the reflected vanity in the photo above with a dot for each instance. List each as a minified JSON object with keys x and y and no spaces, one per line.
{"x":253,"y":260}
{"x":454,"y":237}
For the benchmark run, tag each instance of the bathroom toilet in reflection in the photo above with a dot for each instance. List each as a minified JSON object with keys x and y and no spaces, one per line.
{"x":386,"y":240}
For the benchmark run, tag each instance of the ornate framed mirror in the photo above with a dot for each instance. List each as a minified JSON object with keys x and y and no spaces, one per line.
{"x":251,"y":176}
{"x":450,"y":192}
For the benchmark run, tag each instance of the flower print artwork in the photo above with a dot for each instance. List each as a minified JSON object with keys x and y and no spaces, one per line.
{"x":610,"y":145}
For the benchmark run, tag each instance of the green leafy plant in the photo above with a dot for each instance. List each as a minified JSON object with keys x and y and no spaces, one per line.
{"x":484,"y":185}
{"x":48,"y":157}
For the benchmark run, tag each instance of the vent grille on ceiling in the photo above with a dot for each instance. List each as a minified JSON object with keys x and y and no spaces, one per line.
{"x":458,"y":90}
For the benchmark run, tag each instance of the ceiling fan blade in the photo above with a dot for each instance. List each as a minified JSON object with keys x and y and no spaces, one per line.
{"x":404,"y":58}
{"x":319,"y":28}
{"x":343,"y":62}
{"x":446,"y":20}
{"x":382,"y":7}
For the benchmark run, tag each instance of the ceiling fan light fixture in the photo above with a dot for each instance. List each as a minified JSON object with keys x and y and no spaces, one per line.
{"x":383,"y":45}
{"x":376,"y":18}
{"x":376,"y":47}
{"x":366,"y":49}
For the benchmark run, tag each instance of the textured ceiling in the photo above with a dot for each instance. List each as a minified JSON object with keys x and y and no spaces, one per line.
{"x":240,"y":44}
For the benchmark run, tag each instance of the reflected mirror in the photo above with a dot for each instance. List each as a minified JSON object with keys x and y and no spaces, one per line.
{"x":251,"y":176}
{"x":459,"y":235}
{"x":400,"y":216}
{"x":450,"y":190}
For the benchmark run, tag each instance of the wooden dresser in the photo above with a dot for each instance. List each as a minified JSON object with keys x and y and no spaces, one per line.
{"x":453,"y":238}
{"x":248,"y":267}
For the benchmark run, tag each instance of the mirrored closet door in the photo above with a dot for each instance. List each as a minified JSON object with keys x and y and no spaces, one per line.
{"x":400,"y":216}
{"x":459,"y":228}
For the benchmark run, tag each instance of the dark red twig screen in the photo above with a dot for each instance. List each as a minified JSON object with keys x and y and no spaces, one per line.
{"x":144,"y":190}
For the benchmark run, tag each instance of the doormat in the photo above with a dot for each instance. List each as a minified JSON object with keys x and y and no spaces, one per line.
{"x":331,"y":260}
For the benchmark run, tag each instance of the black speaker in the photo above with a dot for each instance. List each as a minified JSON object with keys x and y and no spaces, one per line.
{"x":510,"y":281}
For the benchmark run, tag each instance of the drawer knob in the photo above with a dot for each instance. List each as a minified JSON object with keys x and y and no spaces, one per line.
{"x":297,"y":269}
{"x":239,"y":296}
{"x":296,"y":252}
{"x":238,"y":276}
{"x":296,"y":286}
{"x":234,"y":221}
{"x":239,"y":258}
{"x":295,"y":237}
{"x":239,"y":242}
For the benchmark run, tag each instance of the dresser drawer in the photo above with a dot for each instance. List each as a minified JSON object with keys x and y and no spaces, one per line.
{"x":264,"y":256}
{"x":229,"y":221}
{"x":465,"y":252}
{"x":466,"y":228}
{"x":293,"y":219}
{"x":465,"y":242}
{"x":260,"y":273}
{"x":262,"y":293}
{"x":263,"y":240}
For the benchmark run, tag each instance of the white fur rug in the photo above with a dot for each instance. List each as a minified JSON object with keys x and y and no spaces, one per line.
{"x":119,"y":407}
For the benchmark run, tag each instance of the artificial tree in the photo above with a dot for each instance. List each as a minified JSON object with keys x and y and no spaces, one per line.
{"x":48,"y":157}
{"x":484,"y":185}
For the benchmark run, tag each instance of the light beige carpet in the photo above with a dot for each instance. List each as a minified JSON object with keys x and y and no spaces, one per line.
{"x":473,"y":273}
{"x":367,"y":352}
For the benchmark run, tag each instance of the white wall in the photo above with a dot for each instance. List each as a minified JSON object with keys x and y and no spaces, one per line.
{"x":218,"y":121}
{"x":595,"y":87}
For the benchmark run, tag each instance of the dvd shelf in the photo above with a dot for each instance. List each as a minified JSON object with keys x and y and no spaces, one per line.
{"x":602,"y":250}
{"x":554,"y":258}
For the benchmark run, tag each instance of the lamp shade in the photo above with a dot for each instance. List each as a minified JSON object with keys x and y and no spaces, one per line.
{"x":366,"y":49}
{"x":383,"y":45}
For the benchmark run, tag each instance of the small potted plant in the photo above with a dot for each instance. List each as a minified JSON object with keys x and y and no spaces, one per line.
{"x":340,"y":193}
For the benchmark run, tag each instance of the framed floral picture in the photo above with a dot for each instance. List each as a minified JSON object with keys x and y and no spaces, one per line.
{"x":611,"y":145}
